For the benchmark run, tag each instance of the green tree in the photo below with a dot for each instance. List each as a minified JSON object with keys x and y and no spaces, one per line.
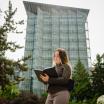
{"x":98,"y":76}
{"x":82,"y":82}
{"x":8,"y":66}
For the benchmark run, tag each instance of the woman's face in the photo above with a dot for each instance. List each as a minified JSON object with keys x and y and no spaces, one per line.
{"x":56,"y":58}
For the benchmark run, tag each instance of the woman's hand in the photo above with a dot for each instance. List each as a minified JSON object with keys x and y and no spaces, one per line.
{"x":44,"y":77}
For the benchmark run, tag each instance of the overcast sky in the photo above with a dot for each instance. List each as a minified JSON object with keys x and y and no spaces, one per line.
{"x":95,"y":22}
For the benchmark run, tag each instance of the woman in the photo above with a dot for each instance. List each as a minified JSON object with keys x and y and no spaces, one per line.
{"x":58,"y":90}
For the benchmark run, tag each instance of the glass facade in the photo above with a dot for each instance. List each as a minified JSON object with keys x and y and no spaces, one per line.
{"x":50,"y":27}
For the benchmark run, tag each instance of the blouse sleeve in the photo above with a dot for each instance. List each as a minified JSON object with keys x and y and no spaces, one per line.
{"x":65,"y":76}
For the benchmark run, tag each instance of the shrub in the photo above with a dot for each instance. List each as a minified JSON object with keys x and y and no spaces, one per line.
{"x":26,"y":98}
{"x":43,"y":98}
{"x":10,"y":92}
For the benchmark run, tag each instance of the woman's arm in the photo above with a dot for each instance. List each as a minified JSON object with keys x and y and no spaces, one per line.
{"x":65,"y":76}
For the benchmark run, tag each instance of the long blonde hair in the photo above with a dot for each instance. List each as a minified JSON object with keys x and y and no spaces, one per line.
{"x":63,"y":56}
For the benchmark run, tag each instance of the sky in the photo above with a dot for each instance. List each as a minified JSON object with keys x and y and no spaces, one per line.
{"x":95,"y":22}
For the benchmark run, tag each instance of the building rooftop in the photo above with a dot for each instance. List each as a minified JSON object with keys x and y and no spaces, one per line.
{"x":50,"y":8}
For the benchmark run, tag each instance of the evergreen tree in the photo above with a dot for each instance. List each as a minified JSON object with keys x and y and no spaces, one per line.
{"x":98,"y":76}
{"x":8,"y":66}
{"x":82,"y":82}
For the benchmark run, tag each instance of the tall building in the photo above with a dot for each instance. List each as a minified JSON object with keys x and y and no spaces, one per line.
{"x":50,"y":27}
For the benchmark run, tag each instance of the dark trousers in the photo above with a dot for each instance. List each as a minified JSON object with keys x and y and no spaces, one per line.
{"x":61,"y":97}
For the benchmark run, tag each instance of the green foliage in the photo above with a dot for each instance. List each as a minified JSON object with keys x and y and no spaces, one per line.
{"x":45,"y":94}
{"x":10,"y":92}
{"x":98,"y":76}
{"x":82,"y":82}
{"x":88,"y":87}
{"x":8,"y":26}
{"x":43,"y":98}
{"x":89,"y":101}
{"x":8,"y":67}
{"x":79,"y":102}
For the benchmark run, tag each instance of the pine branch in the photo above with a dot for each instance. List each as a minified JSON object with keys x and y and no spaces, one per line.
{"x":8,"y":67}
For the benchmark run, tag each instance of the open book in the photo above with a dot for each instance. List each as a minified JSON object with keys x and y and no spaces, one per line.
{"x":51,"y":72}
{"x":38,"y":73}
